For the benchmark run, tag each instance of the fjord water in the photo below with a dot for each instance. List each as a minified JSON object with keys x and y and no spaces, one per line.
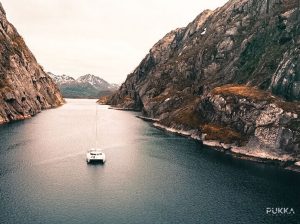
{"x":150,"y":176}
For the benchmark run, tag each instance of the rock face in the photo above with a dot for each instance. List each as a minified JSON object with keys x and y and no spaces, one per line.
{"x":87,"y":86}
{"x":228,"y":75}
{"x":258,"y":119}
{"x":25,"y":89}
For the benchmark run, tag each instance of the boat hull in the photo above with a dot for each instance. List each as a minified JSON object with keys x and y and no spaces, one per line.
{"x":95,"y":156}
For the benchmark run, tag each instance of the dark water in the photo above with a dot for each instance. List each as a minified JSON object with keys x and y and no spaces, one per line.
{"x":150,"y":176}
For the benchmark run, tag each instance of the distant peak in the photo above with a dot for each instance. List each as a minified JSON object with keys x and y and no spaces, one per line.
{"x":88,"y":76}
{"x":61,"y":78}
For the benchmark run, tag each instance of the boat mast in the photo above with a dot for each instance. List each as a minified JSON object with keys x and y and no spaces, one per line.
{"x":96,"y":126}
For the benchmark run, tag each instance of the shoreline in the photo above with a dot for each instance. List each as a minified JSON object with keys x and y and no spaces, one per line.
{"x":243,"y":153}
{"x":122,"y":109}
{"x":28,"y":116}
{"x":18,"y":118}
{"x":148,"y":119}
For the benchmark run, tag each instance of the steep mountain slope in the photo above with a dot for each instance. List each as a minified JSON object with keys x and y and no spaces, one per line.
{"x":227,"y":76}
{"x":87,"y":86}
{"x":25,"y":89}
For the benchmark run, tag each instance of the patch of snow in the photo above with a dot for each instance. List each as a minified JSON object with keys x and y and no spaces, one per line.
{"x":166,"y":100}
{"x":204,"y":31}
{"x":60,"y":79}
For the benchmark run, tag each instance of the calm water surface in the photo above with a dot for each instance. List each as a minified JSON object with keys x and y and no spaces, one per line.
{"x":150,"y":176}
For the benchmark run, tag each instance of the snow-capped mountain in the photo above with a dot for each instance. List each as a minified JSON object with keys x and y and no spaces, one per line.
{"x":87,"y":86}
{"x":59,"y":79}
{"x":114,"y":86}
{"x":94,"y":81}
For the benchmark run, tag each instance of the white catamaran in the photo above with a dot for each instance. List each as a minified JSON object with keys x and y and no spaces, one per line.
{"x":95,"y":154}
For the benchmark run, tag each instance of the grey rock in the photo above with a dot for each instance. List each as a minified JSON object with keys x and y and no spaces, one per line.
{"x":244,"y":43}
{"x":25,"y":89}
{"x":270,"y":115}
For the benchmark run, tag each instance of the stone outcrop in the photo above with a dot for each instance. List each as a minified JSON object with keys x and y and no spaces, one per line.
{"x":25,"y":89}
{"x":260,"y":120}
{"x":231,"y":75}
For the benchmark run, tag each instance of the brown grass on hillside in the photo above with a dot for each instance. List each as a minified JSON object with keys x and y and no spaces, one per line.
{"x":289,"y":106}
{"x":188,"y":117}
{"x":243,"y":91}
{"x":220,"y":133}
{"x":253,"y":93}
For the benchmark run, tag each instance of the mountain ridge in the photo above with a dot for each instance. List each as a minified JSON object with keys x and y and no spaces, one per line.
{"x":228,"y":77}
{"x":86,"y":86}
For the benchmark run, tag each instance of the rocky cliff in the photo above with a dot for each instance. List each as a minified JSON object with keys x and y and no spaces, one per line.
{"x":25,"y":89}
{"x":232,"y":75}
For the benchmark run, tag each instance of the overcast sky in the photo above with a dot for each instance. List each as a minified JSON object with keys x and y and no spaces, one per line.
{"x":103,"y":37}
